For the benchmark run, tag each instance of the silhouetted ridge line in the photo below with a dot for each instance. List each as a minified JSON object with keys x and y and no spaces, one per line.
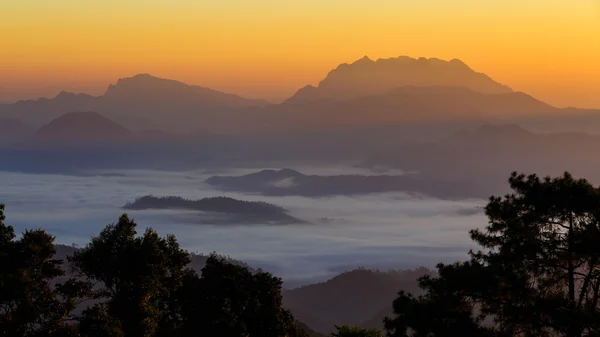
{"x":366,"y":77}
{"x":288,"y":182}
{"x":256,"y":211}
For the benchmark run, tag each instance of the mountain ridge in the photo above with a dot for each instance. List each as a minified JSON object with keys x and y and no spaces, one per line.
{"x":393,"y":91}
{"x":365,"y":77}
{"x":138,"y":102}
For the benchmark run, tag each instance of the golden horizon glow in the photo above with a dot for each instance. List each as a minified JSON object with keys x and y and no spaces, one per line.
{"x":269,"y":49}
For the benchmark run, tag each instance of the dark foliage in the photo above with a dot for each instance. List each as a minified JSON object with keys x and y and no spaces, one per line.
{"x":138,"y":286}
{"x":537,"y":275}
{"x":29,"y":306}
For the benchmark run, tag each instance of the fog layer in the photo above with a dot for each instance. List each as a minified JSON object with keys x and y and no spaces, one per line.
{"x":381,"y":231}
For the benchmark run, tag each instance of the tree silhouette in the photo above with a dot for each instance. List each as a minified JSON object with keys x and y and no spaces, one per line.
{"x":234,"y":302}
{"x":145,"y":290}
{"x":140,"y":286}
{"x":537,"y":274}
{"x":29,"y":305}
{"x":137,"y":275}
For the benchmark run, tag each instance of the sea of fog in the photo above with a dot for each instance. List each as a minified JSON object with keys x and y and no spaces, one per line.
{"x":376,"y":231}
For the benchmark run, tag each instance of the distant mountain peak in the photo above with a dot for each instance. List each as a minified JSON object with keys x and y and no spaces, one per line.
{"x":66,"y":95}
{"x":144,"y":75}
{"x":79,"y":128}
{"x":145,"y":92}
{"x":141,"y":82}
{"x":364,"y":60}
{"x":365,"y":77}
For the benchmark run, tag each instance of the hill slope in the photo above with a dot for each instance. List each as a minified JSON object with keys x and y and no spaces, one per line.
{"x":349,"y":298}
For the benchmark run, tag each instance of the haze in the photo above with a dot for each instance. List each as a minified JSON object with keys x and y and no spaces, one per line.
{"x":269,"y":49}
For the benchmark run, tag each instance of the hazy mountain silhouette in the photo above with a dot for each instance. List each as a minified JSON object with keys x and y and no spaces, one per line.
{"x":412,"y":104}
{"x":287,"y":182}
{"x":365,"y":94}
{"x":43,"y":110}
{"x":366,"y":77}
{"x":78,"y":129}
{"x":139,"y":102}
{"x":91,"y":129}
{"x":146,"y":90}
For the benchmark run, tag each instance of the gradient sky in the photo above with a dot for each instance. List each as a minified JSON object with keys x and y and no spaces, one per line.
{"x":270,"y":48}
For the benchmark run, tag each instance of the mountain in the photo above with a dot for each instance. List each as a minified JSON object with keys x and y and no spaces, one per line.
{"x":358,"y":98}
{"x":41,"y":111}
{"x":412,"y":104}
{"x":77,"y":129}
{"x":145,"y":90}
{"x":366,"y":77}
{"x":139,"y":102}
{"x":350,"y":298}
{"x":287,"y":182}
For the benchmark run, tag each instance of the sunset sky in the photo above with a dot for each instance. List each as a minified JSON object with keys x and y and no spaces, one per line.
{"x":270,"y":48}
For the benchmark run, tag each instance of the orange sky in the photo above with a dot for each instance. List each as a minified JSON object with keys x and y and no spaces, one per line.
{"x":270,"y":48}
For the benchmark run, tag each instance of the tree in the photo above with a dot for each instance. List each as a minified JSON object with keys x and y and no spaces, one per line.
{"x":354,"y":331}
{"x":538,"y":273}
{"x":29,"y":305}
{"x":141,"y":287}
{"x":144,"y":289}
{"x":137,"y":276}
{"x":230,"y":300}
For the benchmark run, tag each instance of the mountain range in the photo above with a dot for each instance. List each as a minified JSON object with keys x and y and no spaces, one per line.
{"x":364,"y":93}
{"x":139,"y":102}
{"x":400,"y":112}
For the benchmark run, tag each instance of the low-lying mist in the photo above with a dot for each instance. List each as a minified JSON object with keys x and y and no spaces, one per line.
{"x":376,"y":231}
